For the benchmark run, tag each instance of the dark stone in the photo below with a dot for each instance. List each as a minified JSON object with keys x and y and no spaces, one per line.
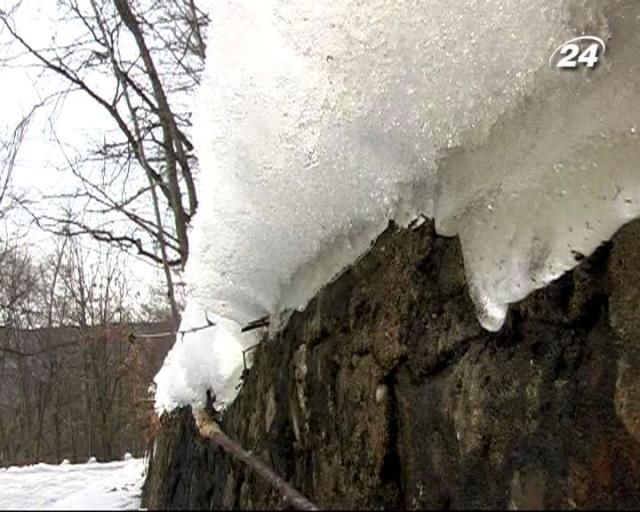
{"x":386,"y":393}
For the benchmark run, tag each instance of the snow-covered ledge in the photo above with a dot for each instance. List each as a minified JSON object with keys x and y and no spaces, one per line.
{"x":319,"y":122}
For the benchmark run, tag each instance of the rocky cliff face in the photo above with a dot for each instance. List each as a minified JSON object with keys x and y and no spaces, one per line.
{"x":386,"y":392}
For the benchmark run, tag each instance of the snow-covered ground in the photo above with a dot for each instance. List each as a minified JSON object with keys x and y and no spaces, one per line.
{"x":91,"y":486}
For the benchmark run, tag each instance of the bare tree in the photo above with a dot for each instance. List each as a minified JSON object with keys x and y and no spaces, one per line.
{"x":138,"y":62}
{"x":9,"y":148}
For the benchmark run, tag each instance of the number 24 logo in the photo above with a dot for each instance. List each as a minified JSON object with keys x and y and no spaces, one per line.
{"x":573,"y":56}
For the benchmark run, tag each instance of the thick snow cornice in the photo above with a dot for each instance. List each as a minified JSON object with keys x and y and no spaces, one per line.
{"x":321,"y":121}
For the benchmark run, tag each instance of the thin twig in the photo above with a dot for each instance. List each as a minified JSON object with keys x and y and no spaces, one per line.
{"x":209,"y":429}
{"x":155,"y":335}
{"x":196,"y":329}
{"x":256,"y":324}
{"x":175,"y":333}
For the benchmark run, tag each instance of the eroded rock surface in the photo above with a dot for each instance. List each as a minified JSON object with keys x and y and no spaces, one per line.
{"x":386,"y":392}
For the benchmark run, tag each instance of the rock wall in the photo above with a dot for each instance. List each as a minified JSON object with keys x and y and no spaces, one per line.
{"x":385,"y":392}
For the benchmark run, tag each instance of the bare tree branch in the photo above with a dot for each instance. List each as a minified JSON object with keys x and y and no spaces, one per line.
{"x":209,"y":429}
{"x":136,"y":90}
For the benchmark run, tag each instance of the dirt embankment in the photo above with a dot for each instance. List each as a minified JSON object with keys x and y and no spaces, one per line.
{"x":386,"y":392}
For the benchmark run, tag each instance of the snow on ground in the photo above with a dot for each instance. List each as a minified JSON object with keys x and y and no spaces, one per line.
{"x":321,"y":121}
{"x":91,"y":486}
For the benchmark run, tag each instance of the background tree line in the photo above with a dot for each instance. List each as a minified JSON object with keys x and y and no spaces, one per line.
{"x":74,"y":377}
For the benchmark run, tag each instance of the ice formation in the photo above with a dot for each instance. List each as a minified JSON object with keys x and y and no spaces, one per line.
{"x":202,"y":359}
{"x":321,"y":121}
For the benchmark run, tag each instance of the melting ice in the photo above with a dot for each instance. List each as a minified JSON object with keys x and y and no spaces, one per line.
{"x":319,"y":122}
